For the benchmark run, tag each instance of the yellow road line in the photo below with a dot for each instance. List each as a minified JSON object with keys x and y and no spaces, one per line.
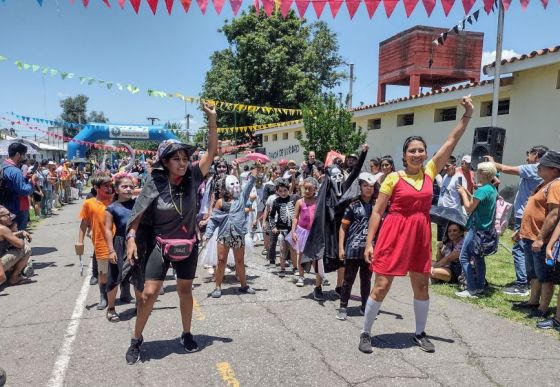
{"x":198,"y":311}
{"x":227,"y":373}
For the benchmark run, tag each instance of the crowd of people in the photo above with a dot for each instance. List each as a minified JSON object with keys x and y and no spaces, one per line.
{"x":311,"y":217}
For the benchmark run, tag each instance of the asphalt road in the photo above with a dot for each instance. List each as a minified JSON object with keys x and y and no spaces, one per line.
{"x":51,"y":334}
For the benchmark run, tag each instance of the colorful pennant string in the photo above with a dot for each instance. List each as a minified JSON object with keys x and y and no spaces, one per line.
{"x":283,"y":6}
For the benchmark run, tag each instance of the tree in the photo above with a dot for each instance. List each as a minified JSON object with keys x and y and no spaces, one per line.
{"x":95,"y":116}
{"x":74,"y":110}
{"x":272,"y":61}
{"x":328,"y":126}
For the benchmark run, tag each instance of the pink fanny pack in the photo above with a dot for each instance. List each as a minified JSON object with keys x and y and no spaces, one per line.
{"x":175,"y":249}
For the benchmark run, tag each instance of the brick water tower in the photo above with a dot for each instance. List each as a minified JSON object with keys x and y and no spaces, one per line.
{"x":410,"y":58}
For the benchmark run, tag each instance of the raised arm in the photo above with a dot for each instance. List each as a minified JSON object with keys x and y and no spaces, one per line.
{"x":442,"y":155}
{"x":208,"y":158}
{"x":357,"y":168}
{"x":507,"y":169}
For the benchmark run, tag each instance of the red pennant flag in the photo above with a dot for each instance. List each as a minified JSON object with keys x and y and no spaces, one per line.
{"x":468,"y":4}
{"x":135,"y":4}
{"x":352,"y":6}
{"x":447,"y":5}
{"x":85,"y":3}
{"x":429,"y":6}
{"x":202,"y":4}
{"x":409,"y":6}
{"x":257,"y":5}
{"x":268,"y":6}
{"x":301,"y":6}
{"x":488,"y":4}
{"x":524,"y":4}
{"x":544,"y":3}
{"x":371,"y":6}
{"x":335,"y":6}
{"x":153,"y":5}
{"x":169,"y":5}
{"x":121,"y":3}
{"x":218,"y":5}
{"x":390,"y":6}
{"x":107,"y":3}
{"x":235,"y":5}
{"x":186,"y":4}
{"x":285,"y":7}
{"x":319,"y":6}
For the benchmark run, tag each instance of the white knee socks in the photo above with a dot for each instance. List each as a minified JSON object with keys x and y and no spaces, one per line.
{"x":421,"y":313}
{"x":372,"y":309}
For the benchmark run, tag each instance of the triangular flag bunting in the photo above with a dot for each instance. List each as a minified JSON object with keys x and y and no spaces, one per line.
{"x":26,"y":66}
{"x":285,"y":6}
{"x":235,"y":5}
{"x":352,"y":6}
{"x":409,"y":6}
{"x":135,"y":4}
{"x":202,"y":4}
{"x":218,"y":5}
{"x":447,"y":5}
{"x":34,"y":68}
{"x":107,"y":3}
{"x":524,"y":4}
{"x":489,"y":4}
{"x":429,"y":6}
{"x":371,"y":6}
{"x":85,"y":3}
{"x":169,"y":5}
{"x":121,"y":3}
{"x":390,"y":6}
{"x":268,"y":6}
{"x":468,"y":4}
{"x":186,"y":4}
{"x":544,"y":3}
{"x":301,"y":6}
{"x":335,"y":6}
{"x":38,"y":1}
{"x":2,"y":58}
{"x":54,"y":72}
{"x":475,"y":14}
{"x":153,"y":5}
{"x":319,"y":6}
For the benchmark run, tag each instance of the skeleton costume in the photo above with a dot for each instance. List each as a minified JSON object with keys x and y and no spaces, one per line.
{"x":322,"y":242}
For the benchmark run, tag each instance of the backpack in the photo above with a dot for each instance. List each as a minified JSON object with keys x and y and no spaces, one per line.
{"x":503,"y":212}
{"x":6,"y":194}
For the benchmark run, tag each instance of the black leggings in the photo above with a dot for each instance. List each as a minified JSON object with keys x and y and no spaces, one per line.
{"x":351,"y":267}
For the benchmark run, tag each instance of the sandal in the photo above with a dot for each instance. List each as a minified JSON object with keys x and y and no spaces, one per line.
{"x":112,"y":315}
{"x":21,"y":281}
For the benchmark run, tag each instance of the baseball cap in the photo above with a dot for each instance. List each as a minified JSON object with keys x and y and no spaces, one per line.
{"x":368,"y":178}
{"x":466,"y":159}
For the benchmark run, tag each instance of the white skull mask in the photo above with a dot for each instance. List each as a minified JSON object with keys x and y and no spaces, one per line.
{"x":337,"y":178}
{"x":233,"y":186}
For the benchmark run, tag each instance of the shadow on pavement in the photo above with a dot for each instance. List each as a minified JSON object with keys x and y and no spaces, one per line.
{"x":401,"y":340}
{"x":42,"y":250}
{"x":43,"y":265}
{"x":162,"y":348}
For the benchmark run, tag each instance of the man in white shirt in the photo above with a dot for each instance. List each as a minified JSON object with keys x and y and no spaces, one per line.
{"x":449,"y":195}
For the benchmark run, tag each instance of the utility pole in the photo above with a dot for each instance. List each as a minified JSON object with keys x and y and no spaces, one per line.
{"x":153,"y":119}
{"x":498,"y":65}
{"x":349,"y":98}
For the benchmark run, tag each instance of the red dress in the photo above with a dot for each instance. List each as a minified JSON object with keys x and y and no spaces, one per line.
{"x":404,"y":242}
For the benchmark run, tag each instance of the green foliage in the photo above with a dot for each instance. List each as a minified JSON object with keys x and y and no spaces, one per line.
{"x":74,"y":109}
{"x":328,"y":126}
{"x":95,"y":116}
{"x":271,"y":61}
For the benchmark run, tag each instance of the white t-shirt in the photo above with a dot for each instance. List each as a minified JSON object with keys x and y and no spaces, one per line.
{"x":449,"y":196}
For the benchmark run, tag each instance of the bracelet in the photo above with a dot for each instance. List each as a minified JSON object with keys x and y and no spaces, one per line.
{"x":130,"y":235}
{"x":464,"y":115}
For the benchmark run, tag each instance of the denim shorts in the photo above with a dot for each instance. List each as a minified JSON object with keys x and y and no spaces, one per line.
{"x":536,"y":266}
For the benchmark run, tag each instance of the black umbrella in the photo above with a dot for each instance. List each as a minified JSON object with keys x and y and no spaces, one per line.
{"x":443,"y":215}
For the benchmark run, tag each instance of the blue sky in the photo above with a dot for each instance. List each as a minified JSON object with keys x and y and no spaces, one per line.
{"x":171,"y":53}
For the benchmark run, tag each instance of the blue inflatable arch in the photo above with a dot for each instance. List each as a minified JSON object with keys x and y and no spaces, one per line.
{"x":94,"y":131}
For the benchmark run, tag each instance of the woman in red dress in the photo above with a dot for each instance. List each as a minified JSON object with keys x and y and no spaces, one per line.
{"x":404,"y":243}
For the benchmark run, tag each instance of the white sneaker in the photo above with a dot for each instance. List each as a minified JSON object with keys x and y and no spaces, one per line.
{"x":211,"y":270}
{"x":466,"y":294}
{"x":300,"y":282}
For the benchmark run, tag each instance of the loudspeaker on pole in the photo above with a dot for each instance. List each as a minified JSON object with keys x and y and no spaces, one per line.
{"x":487,"y":140}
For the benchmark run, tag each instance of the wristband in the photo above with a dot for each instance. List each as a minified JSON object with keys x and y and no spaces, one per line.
{"x":130,"y":235}
{"x":464,"y":115}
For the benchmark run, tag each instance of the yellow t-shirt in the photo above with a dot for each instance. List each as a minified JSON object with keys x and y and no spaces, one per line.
{"x":415,"y":180}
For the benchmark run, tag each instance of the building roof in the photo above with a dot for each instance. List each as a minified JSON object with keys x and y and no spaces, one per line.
{"x":531,"y":55}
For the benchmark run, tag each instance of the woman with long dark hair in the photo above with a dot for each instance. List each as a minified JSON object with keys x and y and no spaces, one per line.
{"x":404,"y":243}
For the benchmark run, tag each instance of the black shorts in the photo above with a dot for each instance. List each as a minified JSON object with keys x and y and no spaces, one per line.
{"x":157,"y":266}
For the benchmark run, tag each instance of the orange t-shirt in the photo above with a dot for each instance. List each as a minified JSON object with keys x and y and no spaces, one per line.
{"x":536,"y":209}
{"x":93,"y":211}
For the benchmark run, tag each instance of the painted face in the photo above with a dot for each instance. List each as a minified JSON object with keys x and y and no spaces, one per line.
{"x":125,"y":188}
{"x":337,"y":178}
{"x":232,"y":186}
{"x":105,"y":191}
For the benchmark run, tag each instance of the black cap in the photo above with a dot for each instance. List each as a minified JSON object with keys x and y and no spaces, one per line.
{"x":550,"y":159}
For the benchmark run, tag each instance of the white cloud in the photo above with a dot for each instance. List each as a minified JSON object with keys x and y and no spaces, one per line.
{"x":62,"y":94}
{"x":489,"y":57}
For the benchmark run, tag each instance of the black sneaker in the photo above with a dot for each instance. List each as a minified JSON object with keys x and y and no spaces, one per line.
{"x":93,"y":281}
{"x":424,"y":343}
{"x":524,"y":306}
{"x":188,"y":343}
{"x":318,"y":294}
{"x":365,"y":343}
{"x":549,"y":324}
{"x":133,"y":352}
{"x":516,"y":290}
{"x":247,"y":290}
{"x":539,"y":314}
